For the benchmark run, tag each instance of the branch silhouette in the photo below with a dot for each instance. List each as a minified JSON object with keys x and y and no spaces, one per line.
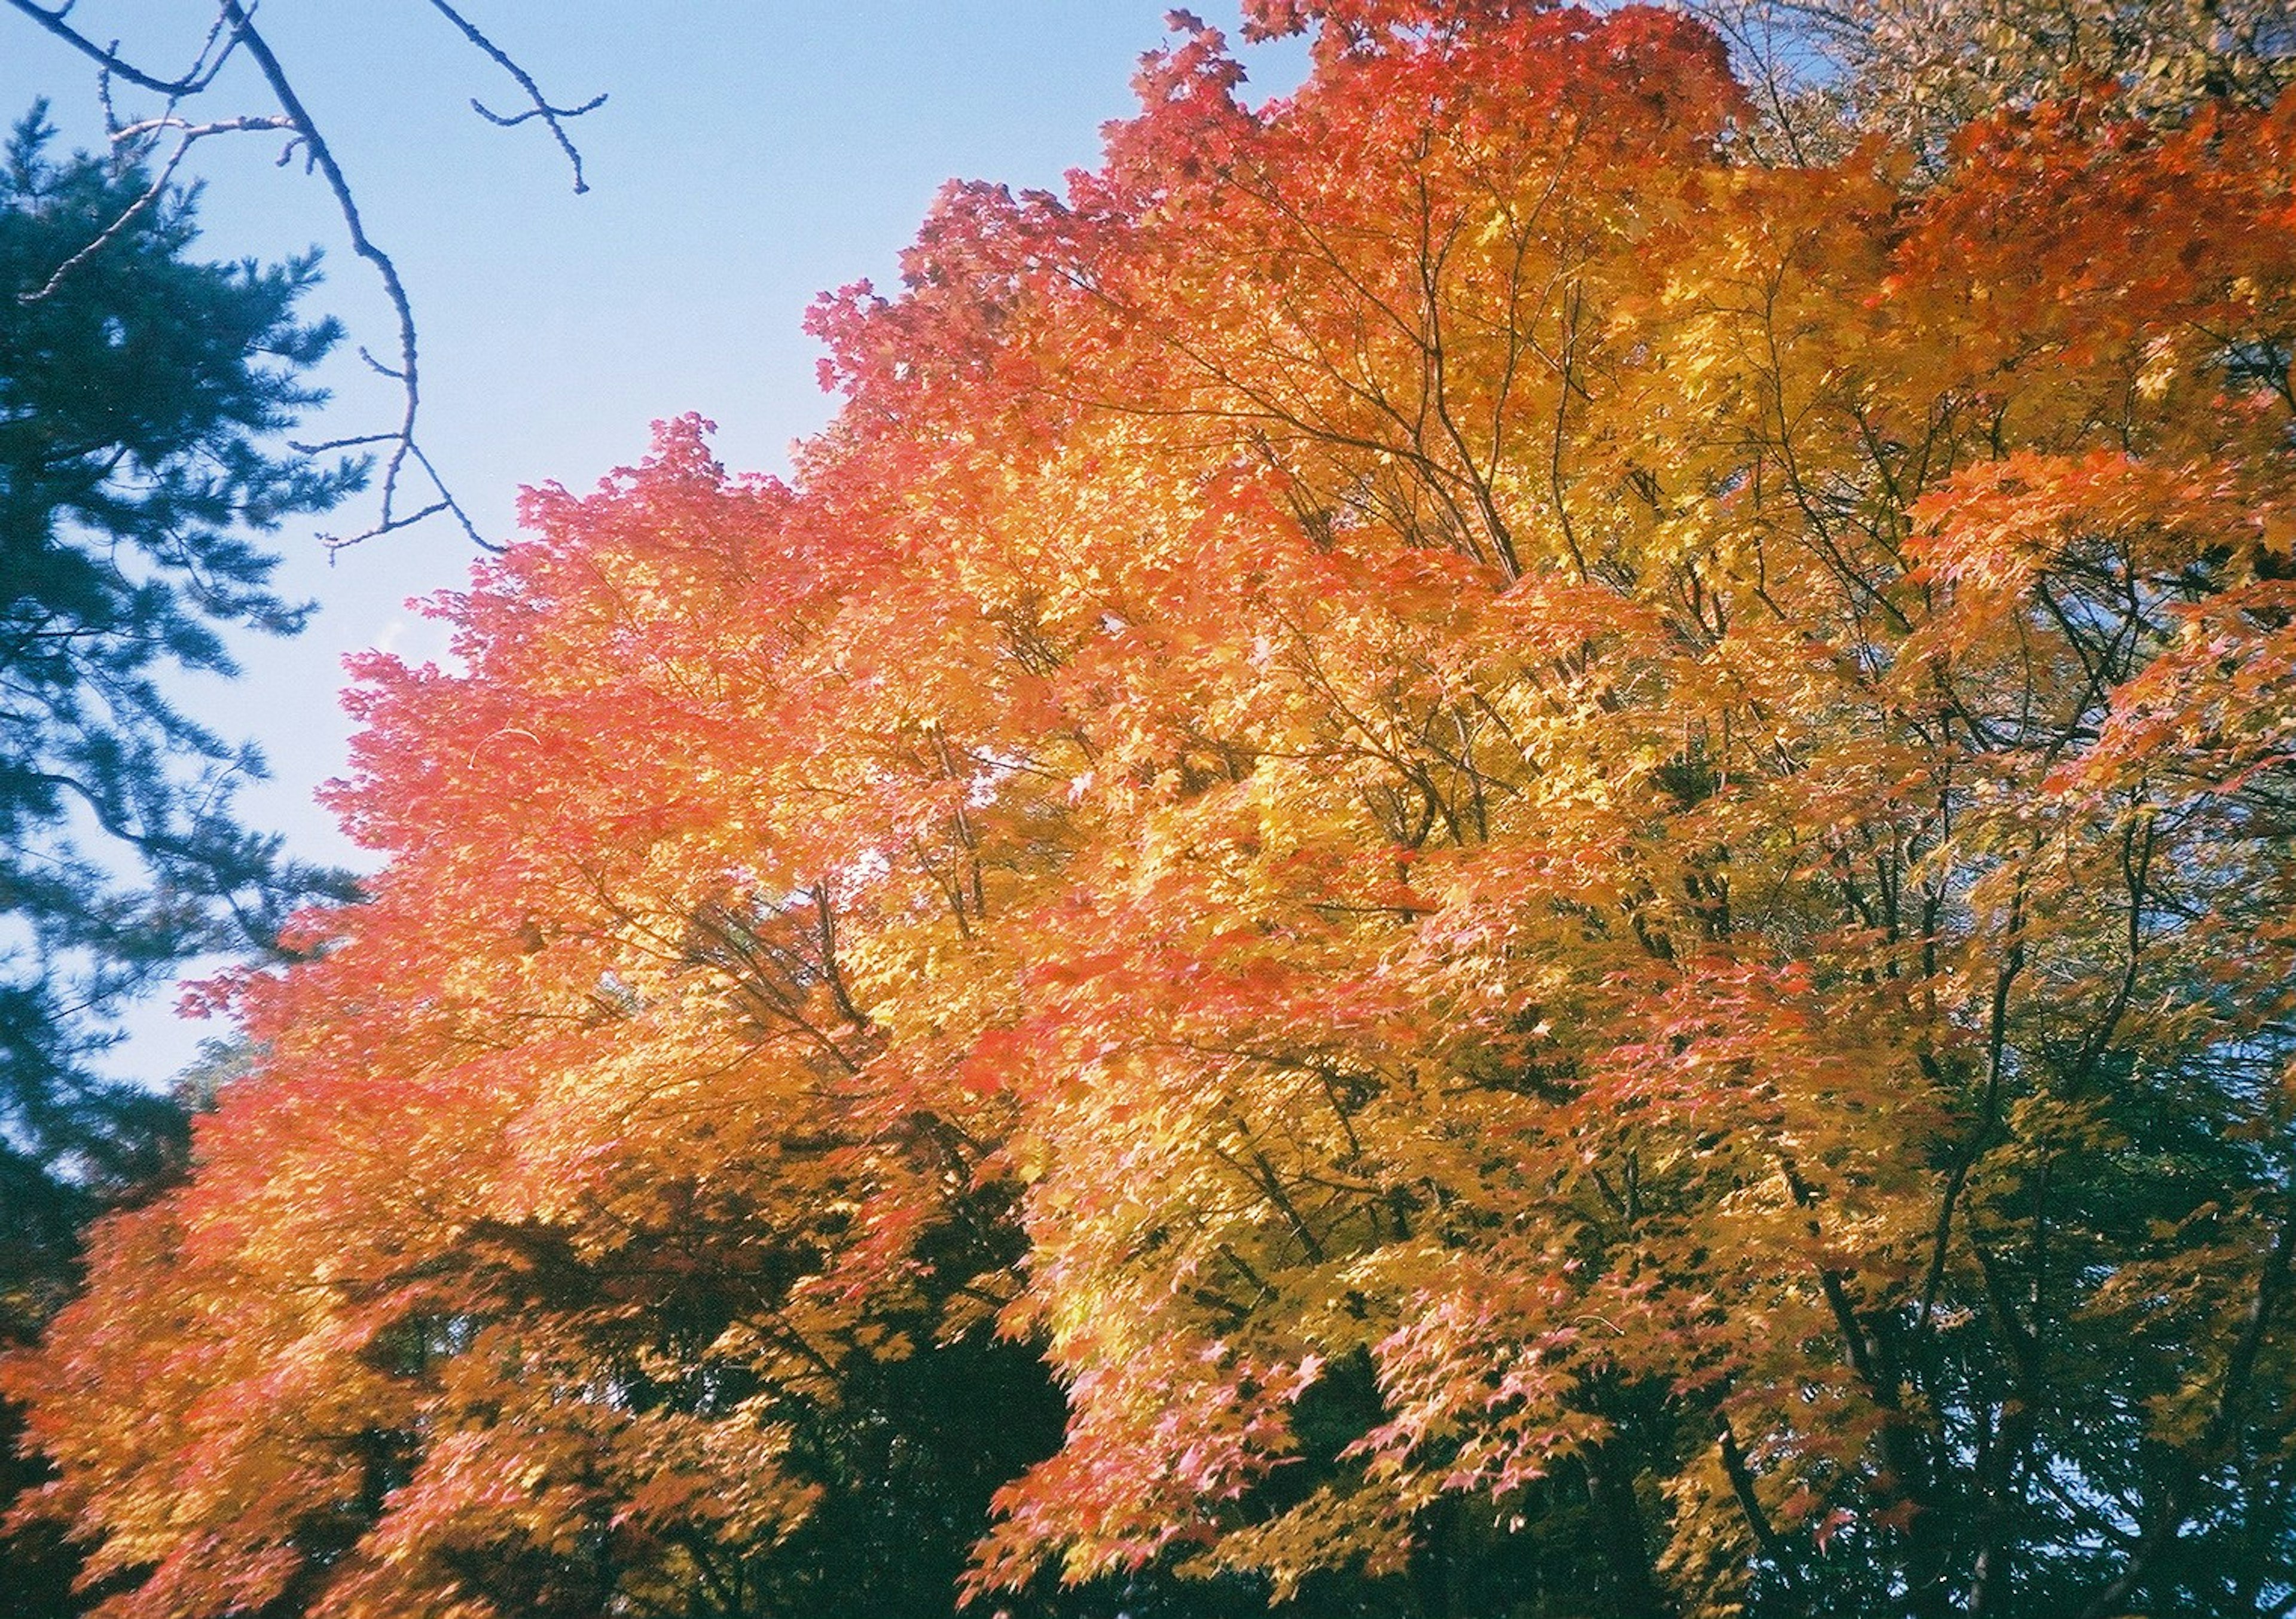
{"x":411,"y":488}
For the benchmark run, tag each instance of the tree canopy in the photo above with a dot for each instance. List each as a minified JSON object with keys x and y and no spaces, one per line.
{"x":1462,"y":852}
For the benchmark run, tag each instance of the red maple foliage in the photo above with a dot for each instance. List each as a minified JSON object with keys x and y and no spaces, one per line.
{"x":1470,"y":802}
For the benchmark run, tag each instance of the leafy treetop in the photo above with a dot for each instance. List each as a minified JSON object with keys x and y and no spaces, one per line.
{"x":1561,"y":857}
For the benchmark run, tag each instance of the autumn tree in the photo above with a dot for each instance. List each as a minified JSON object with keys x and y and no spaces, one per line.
{"x":1918,"y":70}
{"x":1506,"y":860}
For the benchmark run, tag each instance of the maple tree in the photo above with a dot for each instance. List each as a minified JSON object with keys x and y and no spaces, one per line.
{"x":1821,"y":76}
{"x":1458,"y":854}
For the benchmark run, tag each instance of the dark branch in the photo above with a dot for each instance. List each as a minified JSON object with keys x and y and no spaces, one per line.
{"x":322,"y":157}
{"x":234,"y":30}
{"x":197,"y":77}
{"x":540,"y":106}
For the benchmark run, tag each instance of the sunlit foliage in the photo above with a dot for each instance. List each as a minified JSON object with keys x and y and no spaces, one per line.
{"x":1563,"y":860}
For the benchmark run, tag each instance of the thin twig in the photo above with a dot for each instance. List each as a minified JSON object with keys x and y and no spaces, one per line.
{"x":197,"y":77}
{"x":233,"y":30}
{"x":111,"y":232}
{"x":190,"y":135}
{"x":322,"y":157}
{"x":541,"y":108}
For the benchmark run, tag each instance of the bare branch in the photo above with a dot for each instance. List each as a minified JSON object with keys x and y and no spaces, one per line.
{"x":447,"y":502}
{"x":540,"y":107}
{"x":194,"y":79}
{"x":352,"y":442}
{"x":234,"y":30}
{"x":189,"y":132}
{"x":322,"y":157}
{"x":188,"y":135}
{"x":109,"y":232}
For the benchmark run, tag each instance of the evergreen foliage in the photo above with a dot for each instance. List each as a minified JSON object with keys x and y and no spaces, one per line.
{"x":140,"y":394}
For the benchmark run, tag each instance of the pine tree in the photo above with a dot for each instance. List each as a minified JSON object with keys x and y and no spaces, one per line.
{"x":141,"y":389}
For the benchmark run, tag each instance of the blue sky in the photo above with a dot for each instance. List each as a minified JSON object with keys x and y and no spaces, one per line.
{"x":750,"y":155}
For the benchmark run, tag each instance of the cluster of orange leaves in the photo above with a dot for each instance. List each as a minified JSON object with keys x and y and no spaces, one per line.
{"x":1433,"y":726}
